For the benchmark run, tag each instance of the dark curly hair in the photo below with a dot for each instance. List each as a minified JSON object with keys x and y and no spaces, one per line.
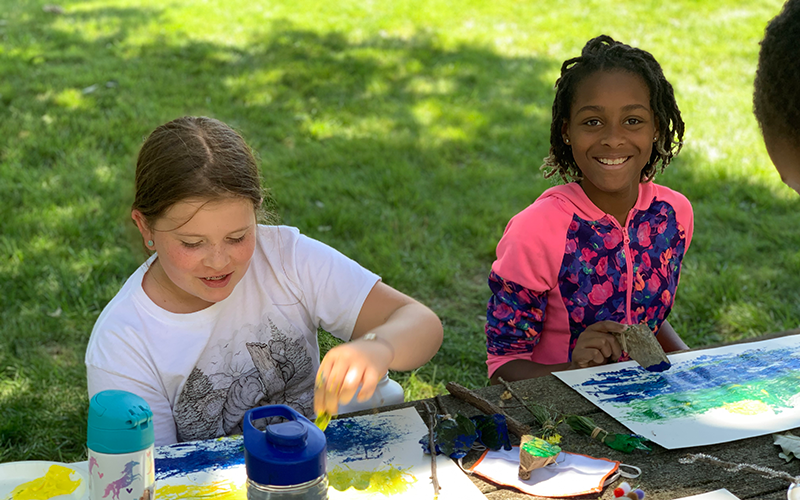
{"x":776,"y":100}
{"x":605,"y":54}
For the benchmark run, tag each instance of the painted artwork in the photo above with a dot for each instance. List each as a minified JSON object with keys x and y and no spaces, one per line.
{"x":370,"y":457}
{"x":707,"y":397}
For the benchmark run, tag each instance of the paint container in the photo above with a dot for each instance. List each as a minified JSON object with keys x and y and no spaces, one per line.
{"x":287,"y":460}
{"x":120,"y":440}
{"x":388,"y":392}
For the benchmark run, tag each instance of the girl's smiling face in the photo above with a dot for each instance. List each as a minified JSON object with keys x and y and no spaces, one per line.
{"x":204,"y":250}
{"x":611,"y":130}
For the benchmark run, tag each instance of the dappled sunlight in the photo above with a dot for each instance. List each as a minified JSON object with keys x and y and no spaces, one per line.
{"x":404,"y":134}
{"x":72,"y":99}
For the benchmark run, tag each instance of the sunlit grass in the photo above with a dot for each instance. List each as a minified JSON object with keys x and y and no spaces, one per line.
{"x":405,"y":134}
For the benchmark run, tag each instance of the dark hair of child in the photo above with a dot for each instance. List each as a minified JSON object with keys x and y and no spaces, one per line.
{"x":776,"y":100}
{"x":194,"y":157}
{"x":603,"y":53}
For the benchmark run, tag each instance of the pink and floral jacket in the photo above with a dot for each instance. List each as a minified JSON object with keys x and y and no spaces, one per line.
{"x":563,"y":264}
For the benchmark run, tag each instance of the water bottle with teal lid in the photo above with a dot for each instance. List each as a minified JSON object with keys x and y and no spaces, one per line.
{"x":120,"y":439}
{"x":287,"y":460}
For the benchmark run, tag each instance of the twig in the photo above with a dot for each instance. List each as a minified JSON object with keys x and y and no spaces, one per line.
{"x":546,"y":418}
{"x":461,"y":392}
{"x":734,"y":467}
{"x":432,"y":447}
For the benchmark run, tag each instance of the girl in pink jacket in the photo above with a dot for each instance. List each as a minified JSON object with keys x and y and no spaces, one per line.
{"x":605,"y":249}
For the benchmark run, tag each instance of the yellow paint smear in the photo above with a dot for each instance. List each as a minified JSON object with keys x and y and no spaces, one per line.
{"x":747,"y":407}
{"x":55,"y":482}
{"x":389,"y":481}
{"x":223,"y":490}
{"x":322,"y":420}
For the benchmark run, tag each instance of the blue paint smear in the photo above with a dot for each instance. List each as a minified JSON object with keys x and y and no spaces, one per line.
{"x":703,"y":372}
{"x":362,"y":438}
{"x":660,"y":367}
{"x":186,"y":458}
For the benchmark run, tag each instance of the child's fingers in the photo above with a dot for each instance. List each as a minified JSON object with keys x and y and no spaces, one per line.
{"x":369,"y":383}
{"x":319,"y":392}
{"x":352,"y":380}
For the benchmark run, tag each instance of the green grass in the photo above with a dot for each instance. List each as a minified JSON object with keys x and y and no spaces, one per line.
{"x":405,"y":134}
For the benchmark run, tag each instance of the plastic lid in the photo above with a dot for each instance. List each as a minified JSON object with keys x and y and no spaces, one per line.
{"x":119,"y":422}
{"x":288,"y":453}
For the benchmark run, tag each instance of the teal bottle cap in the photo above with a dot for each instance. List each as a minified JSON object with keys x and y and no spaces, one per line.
{"x":119,"y":422}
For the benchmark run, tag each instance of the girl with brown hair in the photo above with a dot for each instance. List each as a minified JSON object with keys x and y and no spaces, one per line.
{"x":223,"y":316}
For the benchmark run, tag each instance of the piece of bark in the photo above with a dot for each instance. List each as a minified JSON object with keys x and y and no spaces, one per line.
{"x":464,"y":394}
{"x":643,"y":347}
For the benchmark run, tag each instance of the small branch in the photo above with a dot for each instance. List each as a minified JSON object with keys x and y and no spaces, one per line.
{"x":464,"y":394}
{"x":432,"y":447}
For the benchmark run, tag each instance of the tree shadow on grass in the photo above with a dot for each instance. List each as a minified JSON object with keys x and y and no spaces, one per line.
{"x":741,"y":277}
{"x":406,"y":155}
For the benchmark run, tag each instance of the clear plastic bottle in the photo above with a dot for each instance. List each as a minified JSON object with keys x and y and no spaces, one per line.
{"x":287,"y":460}
{"x":388,"y":392}
{"x":120,"y":439}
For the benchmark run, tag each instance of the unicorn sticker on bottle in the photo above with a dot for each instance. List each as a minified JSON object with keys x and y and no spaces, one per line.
{"x":120,"y":440}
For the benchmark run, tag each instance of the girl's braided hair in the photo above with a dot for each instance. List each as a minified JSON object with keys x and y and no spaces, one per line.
{"x":776,"y":100}
{"x":605,"y":54}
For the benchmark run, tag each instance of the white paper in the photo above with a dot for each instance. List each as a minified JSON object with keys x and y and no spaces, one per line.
{"x":722,"y":494}
{"x":371,"y":443}
{"x":391,"y":439}
{"x":707,"y":397}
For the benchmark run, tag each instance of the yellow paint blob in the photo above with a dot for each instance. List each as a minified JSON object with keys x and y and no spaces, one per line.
{"x":389,"y":481}
{"x":554,"y":439}
{"x":55,"y":482}
{"x":223,"y":490}
{"x":747,"y":407}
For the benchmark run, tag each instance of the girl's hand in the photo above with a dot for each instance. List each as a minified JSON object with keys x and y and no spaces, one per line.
{"x":348,"y":367}
{"x":596,"y":345}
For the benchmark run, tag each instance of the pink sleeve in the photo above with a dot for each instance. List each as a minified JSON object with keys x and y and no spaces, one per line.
{"x":532,"y":247}
{"x":683,"y":209}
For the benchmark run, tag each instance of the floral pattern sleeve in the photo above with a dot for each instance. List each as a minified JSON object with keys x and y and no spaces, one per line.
{"x":514,"y":317}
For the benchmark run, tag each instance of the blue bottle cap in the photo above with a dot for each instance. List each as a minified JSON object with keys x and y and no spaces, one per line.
{"x":288,"y":453}
{"x":119,"y":422}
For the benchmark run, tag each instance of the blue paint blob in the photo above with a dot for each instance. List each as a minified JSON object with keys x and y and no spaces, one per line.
{"x":660,"y":367}
{"x":196,"y":456}
{"x":361,"y":438}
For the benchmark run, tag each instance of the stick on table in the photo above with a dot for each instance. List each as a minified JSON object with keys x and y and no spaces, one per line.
{"x":461,"y":392}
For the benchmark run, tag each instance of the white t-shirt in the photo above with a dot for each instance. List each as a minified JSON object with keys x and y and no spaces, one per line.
{"x":200,"y":372}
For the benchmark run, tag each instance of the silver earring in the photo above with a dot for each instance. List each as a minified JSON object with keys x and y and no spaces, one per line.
{"x":566,"y":141}
{"x":150,"y":243}
{"x":655,"y":139}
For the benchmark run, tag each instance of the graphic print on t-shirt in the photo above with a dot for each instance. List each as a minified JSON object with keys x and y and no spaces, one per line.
{"x":239,"y":374}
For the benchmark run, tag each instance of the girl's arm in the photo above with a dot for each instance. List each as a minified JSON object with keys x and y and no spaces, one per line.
{"x":669,"y":338}
{"x":393,"y":331}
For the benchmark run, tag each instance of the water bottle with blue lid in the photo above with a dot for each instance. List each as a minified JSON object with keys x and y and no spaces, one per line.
{"x":287,"y":460}
{"x":121,"y":441}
